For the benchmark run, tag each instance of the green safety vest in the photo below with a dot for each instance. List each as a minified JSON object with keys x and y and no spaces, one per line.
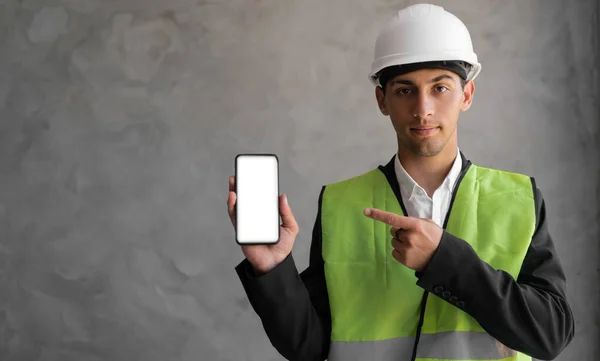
{"x":374,"y":300}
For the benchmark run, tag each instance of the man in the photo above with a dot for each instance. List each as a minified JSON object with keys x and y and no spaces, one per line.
{"x":427,"y":257}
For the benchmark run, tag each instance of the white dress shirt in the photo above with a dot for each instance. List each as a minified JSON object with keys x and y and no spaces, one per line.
{"x":418,"y":203}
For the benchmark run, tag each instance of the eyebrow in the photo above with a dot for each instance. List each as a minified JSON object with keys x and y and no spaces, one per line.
{"x":436,"y":79}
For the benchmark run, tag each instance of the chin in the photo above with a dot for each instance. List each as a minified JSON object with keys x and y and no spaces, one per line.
{"x":428,"y":153}
{"x":429,"y":149}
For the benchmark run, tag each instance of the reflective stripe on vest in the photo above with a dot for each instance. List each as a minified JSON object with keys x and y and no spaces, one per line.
{"x":374,"y":300}
{"x":454,"y":345}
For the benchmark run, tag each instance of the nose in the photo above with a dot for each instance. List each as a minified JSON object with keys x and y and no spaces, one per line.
{"x":424,"y":105}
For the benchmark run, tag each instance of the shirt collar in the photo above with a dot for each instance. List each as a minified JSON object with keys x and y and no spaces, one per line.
{"x":408,"y":186}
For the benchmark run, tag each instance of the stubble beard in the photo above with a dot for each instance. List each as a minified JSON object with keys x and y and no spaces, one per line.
{"x":426,"y":147}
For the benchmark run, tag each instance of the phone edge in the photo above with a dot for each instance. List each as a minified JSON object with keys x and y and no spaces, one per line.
{"x":277,"y":200}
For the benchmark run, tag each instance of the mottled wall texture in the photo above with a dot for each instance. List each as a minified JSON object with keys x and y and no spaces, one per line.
{"x":120,"y":121}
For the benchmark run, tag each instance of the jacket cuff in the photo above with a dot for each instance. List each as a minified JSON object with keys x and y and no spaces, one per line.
{"x":451,"y":262}
{"x":269,"y":288}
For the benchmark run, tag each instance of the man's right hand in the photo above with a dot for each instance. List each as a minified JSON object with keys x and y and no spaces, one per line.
{"x":264,"y":258}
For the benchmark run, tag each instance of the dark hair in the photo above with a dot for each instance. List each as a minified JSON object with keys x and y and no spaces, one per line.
{"x":458,"y":67}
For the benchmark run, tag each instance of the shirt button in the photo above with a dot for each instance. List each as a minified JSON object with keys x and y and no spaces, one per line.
{"x":447,"y":294}
{"x":460,"y":304}
{"x":438,"y":289}
{"x":453,"y":299}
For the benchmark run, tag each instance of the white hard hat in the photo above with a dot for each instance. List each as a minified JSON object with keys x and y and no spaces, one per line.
{"x":422,"y":33}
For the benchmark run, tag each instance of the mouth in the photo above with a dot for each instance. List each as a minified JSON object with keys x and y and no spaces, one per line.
{"x":424,"y":132}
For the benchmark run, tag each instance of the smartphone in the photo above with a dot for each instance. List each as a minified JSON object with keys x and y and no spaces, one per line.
{"x":257,"y":203}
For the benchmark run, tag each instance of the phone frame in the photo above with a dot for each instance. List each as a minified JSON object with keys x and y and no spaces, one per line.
{"x":278,"y":197}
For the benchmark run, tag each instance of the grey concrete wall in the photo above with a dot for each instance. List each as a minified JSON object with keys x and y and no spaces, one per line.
{"x":120,"y":121}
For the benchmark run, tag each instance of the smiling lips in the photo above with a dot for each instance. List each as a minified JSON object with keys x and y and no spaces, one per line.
{"x":424,"y":132}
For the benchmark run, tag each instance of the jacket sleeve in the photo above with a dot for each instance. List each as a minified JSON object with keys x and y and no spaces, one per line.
{"x":293,"y":308}
{"x":529,"y":314}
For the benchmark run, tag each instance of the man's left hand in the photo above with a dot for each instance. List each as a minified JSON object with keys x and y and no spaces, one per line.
{"x":417,"y":240}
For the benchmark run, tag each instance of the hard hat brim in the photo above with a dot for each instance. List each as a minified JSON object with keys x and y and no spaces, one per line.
{"x":403,"y":59}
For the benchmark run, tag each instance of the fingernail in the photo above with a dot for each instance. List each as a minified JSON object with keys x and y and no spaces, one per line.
{"x":285,"y":199}
{"x":367,"y":212}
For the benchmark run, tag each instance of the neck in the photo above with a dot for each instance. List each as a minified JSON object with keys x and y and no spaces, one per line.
{"x":428,"y":172}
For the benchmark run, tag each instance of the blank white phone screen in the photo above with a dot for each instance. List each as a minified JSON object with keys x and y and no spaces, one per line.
{"x":257,"y":213}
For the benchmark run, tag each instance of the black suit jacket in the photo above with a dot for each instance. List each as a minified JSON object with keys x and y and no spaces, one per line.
{"x":530,"y":315}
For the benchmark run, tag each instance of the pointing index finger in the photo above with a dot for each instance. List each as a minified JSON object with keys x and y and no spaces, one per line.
{"x":388,"y":218}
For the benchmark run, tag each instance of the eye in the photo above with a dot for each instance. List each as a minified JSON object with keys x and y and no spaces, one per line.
{"x":403,"y":91}
{"x":441,"y":88}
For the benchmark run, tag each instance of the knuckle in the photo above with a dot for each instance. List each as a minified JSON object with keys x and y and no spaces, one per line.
{"x":399,"y":255}
{"x":419,"y":227}
{"x":400,"y":238}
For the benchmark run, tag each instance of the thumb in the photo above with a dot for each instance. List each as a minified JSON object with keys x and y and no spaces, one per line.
{"x":287,"y":217}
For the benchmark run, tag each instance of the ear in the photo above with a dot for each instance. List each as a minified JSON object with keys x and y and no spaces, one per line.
{"x":381,"y":100}
{"x":468,"y":93}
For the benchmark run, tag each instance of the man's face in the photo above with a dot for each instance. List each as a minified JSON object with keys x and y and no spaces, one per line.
{"x":424,"y":106}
